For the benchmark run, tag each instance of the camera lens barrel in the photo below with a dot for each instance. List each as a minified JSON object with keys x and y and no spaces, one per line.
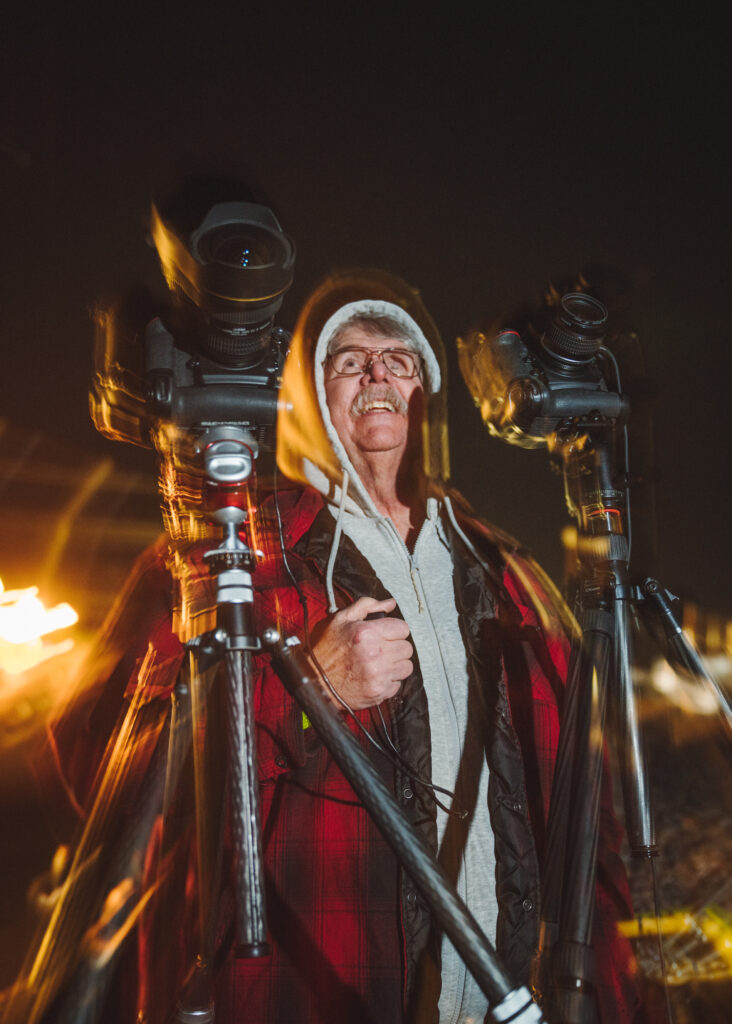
{"x":577,"y":329}
{"x":237,"y":348}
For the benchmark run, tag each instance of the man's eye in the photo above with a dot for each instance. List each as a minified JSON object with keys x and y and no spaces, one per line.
{"x":350,"y":362}
{"x":400,"y":361}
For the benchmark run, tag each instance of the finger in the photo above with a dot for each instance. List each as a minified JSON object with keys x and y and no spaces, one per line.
{"x":390,"y":629}
{"x":364,"y":606}
{"x":400,"y":650}
{"x":381,"y":664}
{"x":402,"y":670}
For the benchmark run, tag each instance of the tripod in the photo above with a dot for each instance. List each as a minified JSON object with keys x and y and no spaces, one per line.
{"x":227,"y":453}
{"x":599,"y":692}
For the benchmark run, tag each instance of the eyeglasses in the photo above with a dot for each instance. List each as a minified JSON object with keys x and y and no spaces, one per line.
{"x":400,"y":362}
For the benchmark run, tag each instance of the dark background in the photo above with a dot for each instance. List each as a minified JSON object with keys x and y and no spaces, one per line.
{"x":481,"y":151}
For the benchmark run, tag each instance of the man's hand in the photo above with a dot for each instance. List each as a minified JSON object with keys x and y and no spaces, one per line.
{"x":365,"y":660}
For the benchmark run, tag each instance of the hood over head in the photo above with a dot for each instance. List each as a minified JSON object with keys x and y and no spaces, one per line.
{"x":308,"y":449}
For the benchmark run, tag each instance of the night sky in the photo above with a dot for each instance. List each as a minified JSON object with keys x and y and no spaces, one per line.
{"x":479,"y":152}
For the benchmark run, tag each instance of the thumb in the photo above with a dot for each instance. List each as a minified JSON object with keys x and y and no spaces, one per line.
{"x":365,"y":606}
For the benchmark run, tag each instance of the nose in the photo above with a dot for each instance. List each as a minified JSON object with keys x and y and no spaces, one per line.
{"x":375,"y":369}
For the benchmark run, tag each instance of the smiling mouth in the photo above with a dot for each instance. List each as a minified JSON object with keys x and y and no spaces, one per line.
{"x":369,"y":403}
{"x":379,"y":406}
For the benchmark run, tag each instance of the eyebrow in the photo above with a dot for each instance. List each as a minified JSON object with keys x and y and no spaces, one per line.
{"x":401,"y":347}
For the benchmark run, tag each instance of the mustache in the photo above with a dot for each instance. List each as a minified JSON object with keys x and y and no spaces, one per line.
{"x":378,"y":393}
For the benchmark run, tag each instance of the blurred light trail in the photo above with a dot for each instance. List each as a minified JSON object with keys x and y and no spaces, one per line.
{"x":687,"y":693}
{"x":24,"y":620}
{"x":706,"y":955}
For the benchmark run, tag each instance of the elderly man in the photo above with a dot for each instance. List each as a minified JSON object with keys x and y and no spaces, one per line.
{"x":439,"y":640}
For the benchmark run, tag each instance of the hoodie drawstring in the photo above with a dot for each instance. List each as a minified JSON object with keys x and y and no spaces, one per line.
{"x":332,"y":606}
{"x":462,"y":535}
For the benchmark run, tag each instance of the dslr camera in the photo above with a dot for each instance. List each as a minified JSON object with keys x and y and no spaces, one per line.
{"x":216,"y":357}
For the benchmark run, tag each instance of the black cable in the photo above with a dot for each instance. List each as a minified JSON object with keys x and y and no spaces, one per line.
{"x":459,"y":813}
{"x":283,"y":553}
{"x":626,"y":450}
{"x":662,"y":959}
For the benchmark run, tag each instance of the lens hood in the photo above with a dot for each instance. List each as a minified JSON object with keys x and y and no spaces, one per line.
{"x":235,"y":267}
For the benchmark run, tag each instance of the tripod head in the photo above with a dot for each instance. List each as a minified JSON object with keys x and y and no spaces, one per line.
{"x":228,"y":456}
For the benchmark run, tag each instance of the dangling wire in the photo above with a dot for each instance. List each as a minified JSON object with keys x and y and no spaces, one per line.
{"x":335,"y":544}
{"x":659,"y":940}
{"x":392,"y":755}
{"x":283,"y":553}
{"x":626,"y":449}
{"x":458,"y":812}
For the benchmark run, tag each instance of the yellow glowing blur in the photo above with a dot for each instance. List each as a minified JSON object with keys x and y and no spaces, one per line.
{"x":686,"y":694}
{"x":688,"y":962}
{"x":24,"y":620}
{"x":104,"y":938}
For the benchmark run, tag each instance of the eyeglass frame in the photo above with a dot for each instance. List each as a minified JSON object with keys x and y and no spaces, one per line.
{"x":377,"y":354}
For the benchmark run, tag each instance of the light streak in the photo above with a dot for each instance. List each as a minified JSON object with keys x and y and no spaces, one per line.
{"x":68,"y":941}
{"x":686,"y":693}
{"x":707,"y":956}
{"x":24,"y":620}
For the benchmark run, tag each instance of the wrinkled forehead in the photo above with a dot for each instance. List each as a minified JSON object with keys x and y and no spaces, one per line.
{"x":370,"y":333}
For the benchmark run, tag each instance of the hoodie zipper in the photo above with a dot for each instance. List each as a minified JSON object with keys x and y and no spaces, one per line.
{"x":412,"y":569}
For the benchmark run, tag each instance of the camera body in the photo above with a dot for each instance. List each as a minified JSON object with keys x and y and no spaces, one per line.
{"x":529,"y":386}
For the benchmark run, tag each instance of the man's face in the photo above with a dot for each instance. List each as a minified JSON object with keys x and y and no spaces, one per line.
{"x":374,"y":411}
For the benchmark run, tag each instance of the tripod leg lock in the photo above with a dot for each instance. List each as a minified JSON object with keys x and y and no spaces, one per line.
{"x":573,"y":972}
{"x":517,"y":1008}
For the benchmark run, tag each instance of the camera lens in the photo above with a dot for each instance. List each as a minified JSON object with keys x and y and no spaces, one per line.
{"x":235,"y":267}
{"x":577,"y":330}
{"x":233,"y":247}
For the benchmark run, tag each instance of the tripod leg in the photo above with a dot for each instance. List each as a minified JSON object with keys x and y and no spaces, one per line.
{"x":556,"y":841}
{"x":105,"y":863}
{"x":244,"y":788}
{"x":197,"y":1001}
{"x":209,"y":720}
{"x":167,"y":949}
{"x":681,"y":649}
{"x":636,"y":795}
{"x":572,"y":963}
{"x":302,"y":682}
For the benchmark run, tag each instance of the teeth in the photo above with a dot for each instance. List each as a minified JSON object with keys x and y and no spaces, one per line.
{"x":379,"y":405}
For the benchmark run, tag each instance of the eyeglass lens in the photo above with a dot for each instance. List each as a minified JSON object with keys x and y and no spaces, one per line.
{"x":398,"y":361}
